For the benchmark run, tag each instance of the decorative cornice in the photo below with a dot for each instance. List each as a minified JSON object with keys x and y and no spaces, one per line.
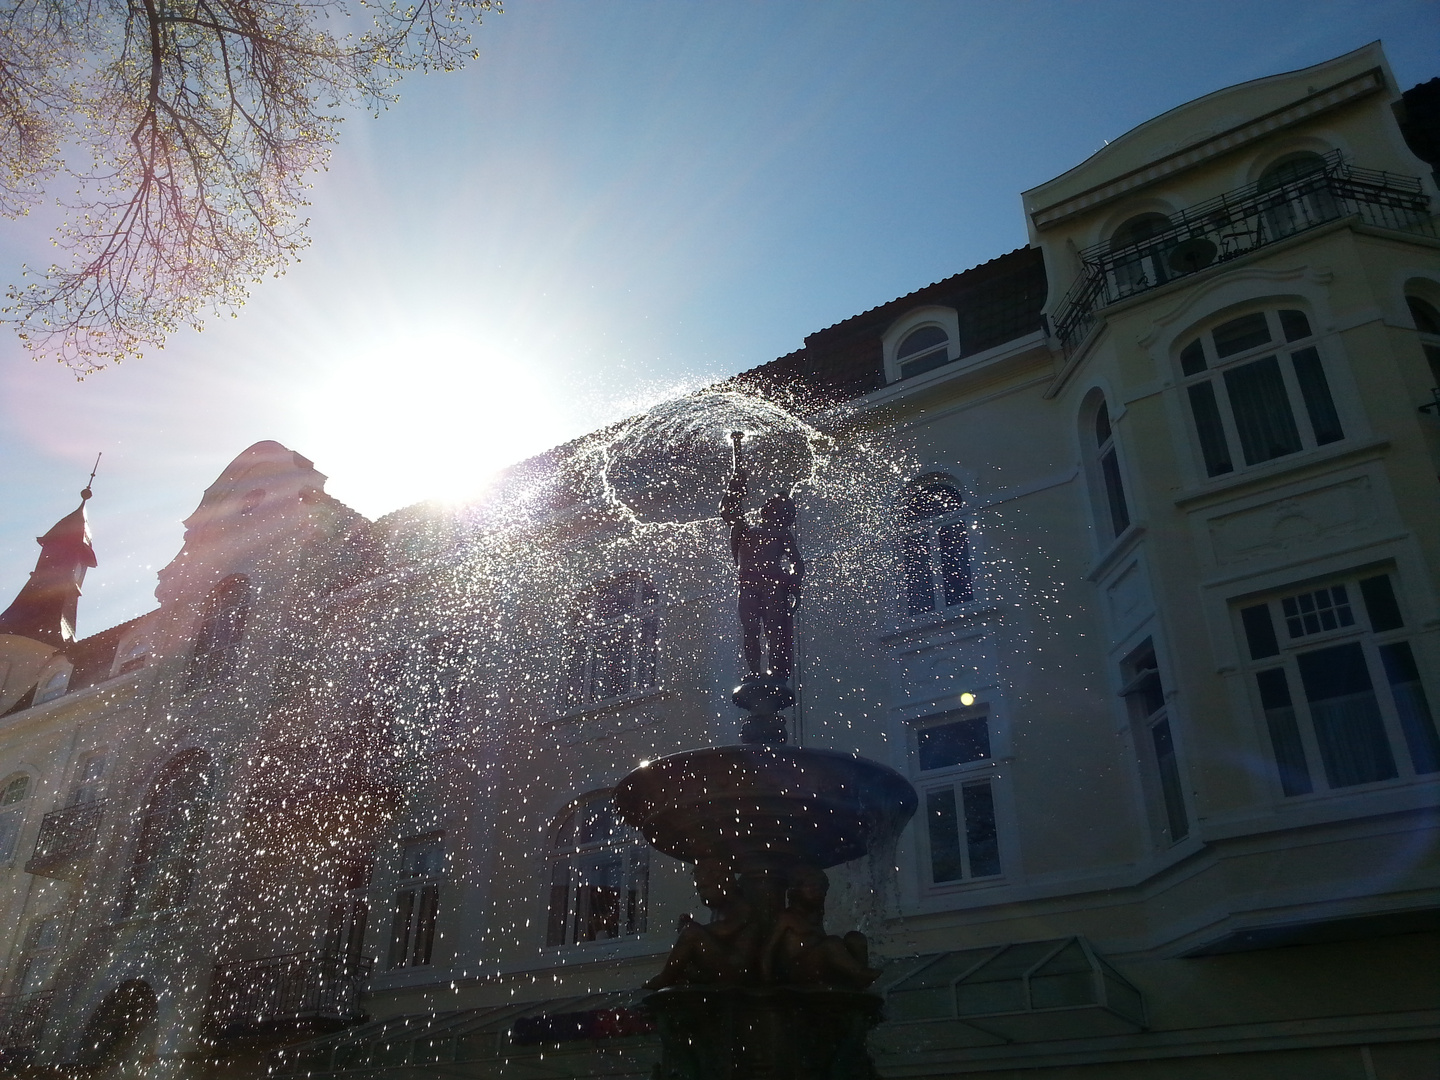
{"x":1332,"y":97}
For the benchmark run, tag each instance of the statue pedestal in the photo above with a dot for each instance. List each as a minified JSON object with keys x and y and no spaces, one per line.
{"x":763,"y":1033}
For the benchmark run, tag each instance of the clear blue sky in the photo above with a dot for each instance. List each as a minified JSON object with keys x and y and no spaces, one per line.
{"x":618,"y":201}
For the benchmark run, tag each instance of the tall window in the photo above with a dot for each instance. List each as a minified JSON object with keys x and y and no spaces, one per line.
{"x":953,"y":758}
{"x":922,"y":350}
{"x":1256,"y":385}
{"x":417,"y":901}
{"x":934,"y":548}
{"x":1115,"y":512}
{"x":1427,"y":322}
{"x":218,"y":642}
{"x":12,"y":813}
{"x":612,"y":642}
{"x":1340,"y":685}
{"x":599,"y":876}
{"x":1139,"y":264}
{"x":1144,"y":695}
{"x":345,"y":922}
{"x":167,"y":854}
{"x":38,"y":954}
{"x":89,"y":779}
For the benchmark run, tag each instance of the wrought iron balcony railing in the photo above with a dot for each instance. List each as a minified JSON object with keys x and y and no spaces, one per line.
{"x":283,"y":996}
{"x":66,"y":837}
{"x":1235,"y":224}
{"x":22,"y":1024}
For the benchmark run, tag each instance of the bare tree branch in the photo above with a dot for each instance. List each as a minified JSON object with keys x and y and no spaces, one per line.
{"x":202,"y":120}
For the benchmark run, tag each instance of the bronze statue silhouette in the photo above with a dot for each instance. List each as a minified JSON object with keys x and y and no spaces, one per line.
{"x":799,"y":952}
{"x":770,"y":571}
{"x":722,"y":951}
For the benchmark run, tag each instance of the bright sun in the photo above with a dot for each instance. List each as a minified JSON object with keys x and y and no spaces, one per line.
{"x":424,"y":417}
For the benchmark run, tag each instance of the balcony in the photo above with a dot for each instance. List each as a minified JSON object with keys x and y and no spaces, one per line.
{"x":66,"y":839}
{"x":22,"y":1023}
{"x":1234,"y":225}
{"x":279,"y":998}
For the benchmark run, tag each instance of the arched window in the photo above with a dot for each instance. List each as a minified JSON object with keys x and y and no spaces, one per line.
{"x":167,"y":853}
{"x":1427,"y":322}
{"x":1139,"y":264}
{"x":1302,"y":194}
{"x":612,"y":641}
{"x":1112,"y":512}
{"x":12,"y":813}
{"x":1256,"y":383}
{"x":922,"y":350}
{"x":1290,"y":168}
{"x":935,"y":548}
{"x":224,"y":625}
{"x":55,"y":686}
{"x":599,"y":876}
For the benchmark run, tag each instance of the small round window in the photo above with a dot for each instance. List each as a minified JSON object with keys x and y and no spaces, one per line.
{"x":922,"y":350}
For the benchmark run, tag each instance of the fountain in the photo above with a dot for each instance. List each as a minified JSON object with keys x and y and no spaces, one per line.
{"x":761,"y":991}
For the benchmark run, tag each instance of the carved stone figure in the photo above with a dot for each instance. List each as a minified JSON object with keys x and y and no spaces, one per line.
{"x":770,"y":571}
{"x":798,"y":952}
{"x":724,"y":950}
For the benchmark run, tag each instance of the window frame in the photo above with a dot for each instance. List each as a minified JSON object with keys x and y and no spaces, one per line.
{"x":930,"y":357}
{"x":955,"y":780}
{"x":56,"y":684}
{"x":1104,"y":471}
{"x":1314,"y":780}
{"x":1164,"y":786}
{"x":641,"y":624}
{"x":1429,"y":339}
{"x":221,"y":632}
{"x":931,"y":530}
{"x":415,"y":906}
{"x":82,"y":782}
{"x":567,"y":899}
{"x":13,"y":813}
{"x":148,"y":864}
{"x":1216,"y":371}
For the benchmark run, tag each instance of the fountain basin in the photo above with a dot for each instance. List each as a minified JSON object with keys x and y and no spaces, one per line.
{"x":765,"y":804}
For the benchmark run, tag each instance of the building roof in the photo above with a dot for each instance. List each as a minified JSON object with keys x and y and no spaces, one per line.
{"x":997,"y":301}
{"x":44,"y":609}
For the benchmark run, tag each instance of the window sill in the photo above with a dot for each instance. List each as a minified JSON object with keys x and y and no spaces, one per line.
{"x":611,"y":705}
{"x":1121,"y":547}
{"x":915,"y":625}
{"x":1256,"y":476}
{"x":621,"y":948}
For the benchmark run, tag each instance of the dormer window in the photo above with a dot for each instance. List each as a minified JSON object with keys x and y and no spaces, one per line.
{"x":923,"y":350}
{"x":54,"y":686}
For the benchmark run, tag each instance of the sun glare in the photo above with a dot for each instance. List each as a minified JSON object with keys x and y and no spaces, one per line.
{"x":429,"y":417}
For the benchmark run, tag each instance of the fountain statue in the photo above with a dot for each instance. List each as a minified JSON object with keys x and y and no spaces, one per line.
{"x":762,"y":991}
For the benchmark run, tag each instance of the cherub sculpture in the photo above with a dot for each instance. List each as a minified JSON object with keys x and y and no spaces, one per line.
{"x":798,"y":952}
{"x":722,"y":951}
{"x":770,"y":571}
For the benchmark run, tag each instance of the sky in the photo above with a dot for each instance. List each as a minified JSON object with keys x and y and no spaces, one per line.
{"x":617,"y":202}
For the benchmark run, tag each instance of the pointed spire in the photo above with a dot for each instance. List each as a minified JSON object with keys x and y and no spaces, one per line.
{"x":46,"y":605}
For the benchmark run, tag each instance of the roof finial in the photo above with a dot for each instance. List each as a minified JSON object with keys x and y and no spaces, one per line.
{"x":86,"y":493}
